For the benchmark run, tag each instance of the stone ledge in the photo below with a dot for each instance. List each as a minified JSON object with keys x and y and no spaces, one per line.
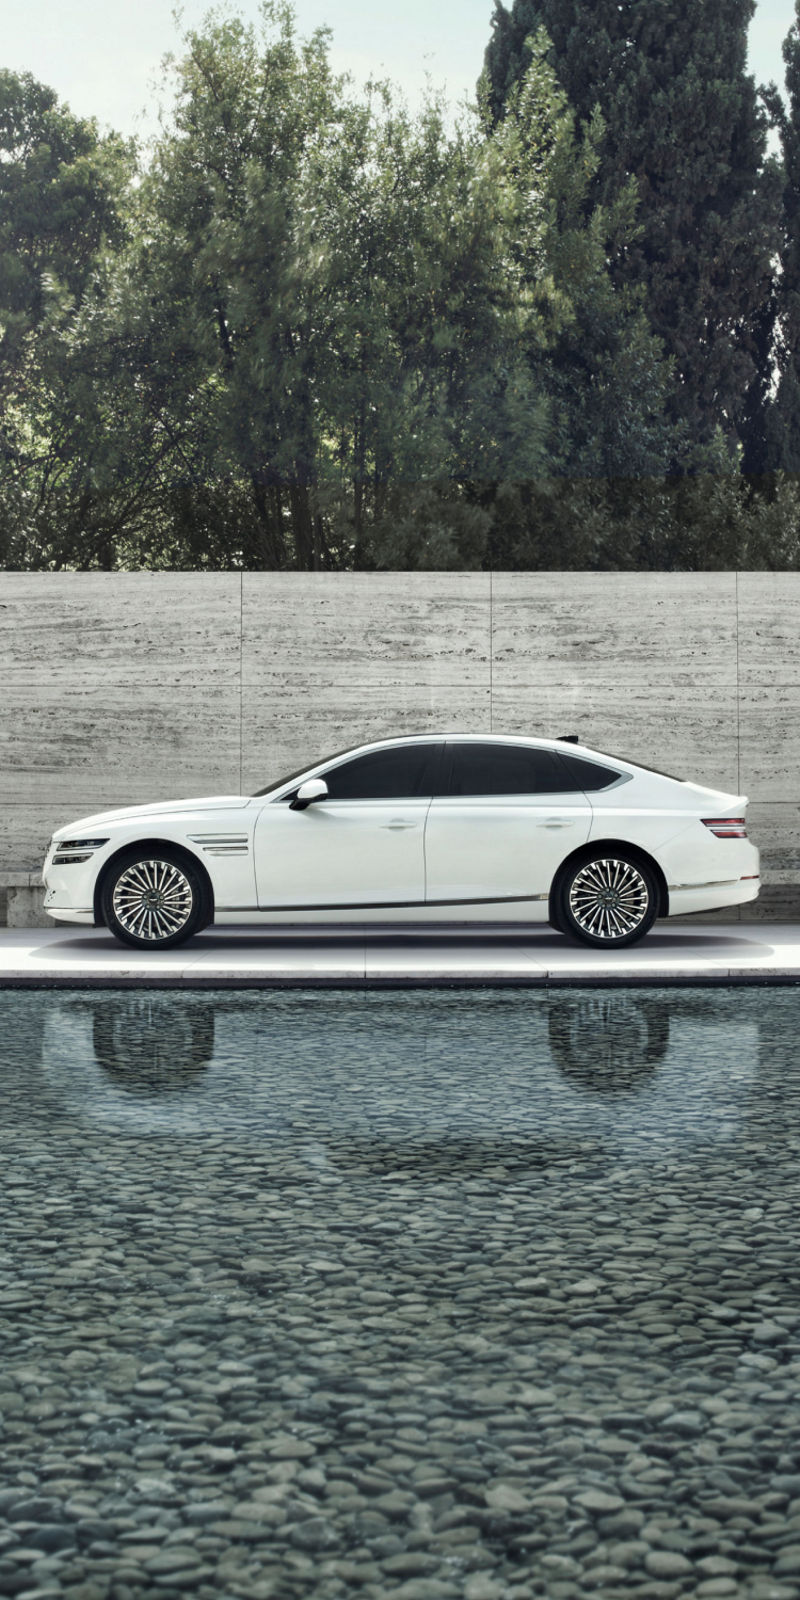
{"x":78,"y":958}
{"x":22,"y":901}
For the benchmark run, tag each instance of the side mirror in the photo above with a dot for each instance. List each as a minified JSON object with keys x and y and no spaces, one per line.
{"x":312,"y":789}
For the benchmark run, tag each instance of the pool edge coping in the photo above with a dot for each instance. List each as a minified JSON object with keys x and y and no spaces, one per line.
{"x":730,"y":978}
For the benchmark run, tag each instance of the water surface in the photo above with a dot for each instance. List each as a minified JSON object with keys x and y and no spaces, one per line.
{"x":323,"y":1293}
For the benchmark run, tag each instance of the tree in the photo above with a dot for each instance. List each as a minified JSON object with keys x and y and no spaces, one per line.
{"x":60,"y":192}
{"x":682,"y":117}
{"x":781,"y":443}
{"x":62,"y":203}
{"x":318,"y":314}
{"x":600,"y":367}
{"x":319,"y":332}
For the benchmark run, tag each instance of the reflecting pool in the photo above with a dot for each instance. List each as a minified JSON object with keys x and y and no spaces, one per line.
{"x":411,"y":1293}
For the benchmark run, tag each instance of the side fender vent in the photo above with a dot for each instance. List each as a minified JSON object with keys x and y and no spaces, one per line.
{"x":221,"y":844}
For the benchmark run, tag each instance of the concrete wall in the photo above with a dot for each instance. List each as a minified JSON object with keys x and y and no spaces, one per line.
{"x":125,"y":687}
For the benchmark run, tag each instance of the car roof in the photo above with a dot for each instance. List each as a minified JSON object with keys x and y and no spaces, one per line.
{"x":447,"y":736}
{"x":555,"y":741}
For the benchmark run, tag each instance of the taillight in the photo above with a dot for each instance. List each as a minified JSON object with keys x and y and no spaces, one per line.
{"x":726,"y":827}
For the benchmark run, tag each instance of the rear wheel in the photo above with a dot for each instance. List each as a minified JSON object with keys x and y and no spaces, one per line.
{"x":608,"y":899}
{"x":154,"y":898}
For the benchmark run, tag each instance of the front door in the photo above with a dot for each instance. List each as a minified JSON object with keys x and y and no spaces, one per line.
{"x":364,"y":845}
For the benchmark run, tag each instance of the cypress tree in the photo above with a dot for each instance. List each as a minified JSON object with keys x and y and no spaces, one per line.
{"x":683,"y":117}
{"x":781,"y":448}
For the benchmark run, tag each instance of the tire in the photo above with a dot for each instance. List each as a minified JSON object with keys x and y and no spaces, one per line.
{"x":608,"y":900}
{"x":153,"y":899}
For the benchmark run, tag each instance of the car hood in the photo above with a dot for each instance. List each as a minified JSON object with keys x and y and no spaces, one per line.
{"x":164,"y":808}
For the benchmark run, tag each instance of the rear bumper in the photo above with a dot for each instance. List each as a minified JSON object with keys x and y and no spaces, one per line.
{"x":684,"y":899}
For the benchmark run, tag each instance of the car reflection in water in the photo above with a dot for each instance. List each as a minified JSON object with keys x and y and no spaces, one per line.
{"x":607,"y":1041}
{"x":153,"y":1044}
{"x":541,"y":1071}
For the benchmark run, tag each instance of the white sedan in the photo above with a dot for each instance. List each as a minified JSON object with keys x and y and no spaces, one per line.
{"x":448,"y":828}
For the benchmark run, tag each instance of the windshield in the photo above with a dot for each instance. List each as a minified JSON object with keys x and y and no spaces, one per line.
{"x":279,"y":782}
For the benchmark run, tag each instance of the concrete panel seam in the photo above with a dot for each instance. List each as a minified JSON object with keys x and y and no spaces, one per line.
{"x":491,"y":651}
{"x":241,"y":678}
{"x":738,"y":696}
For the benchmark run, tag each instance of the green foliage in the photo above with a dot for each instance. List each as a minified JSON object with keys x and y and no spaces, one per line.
{"x":62,"y":203}
{"x":59,"y":201}
{"x":319,"y":315}
{"x":682,"y":118}
{"x":314,"y":331}
{"x":602,"y":371}
{"x":778,"y":445}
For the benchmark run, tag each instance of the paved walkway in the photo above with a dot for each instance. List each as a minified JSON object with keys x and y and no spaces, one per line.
{"x":694,"y":953}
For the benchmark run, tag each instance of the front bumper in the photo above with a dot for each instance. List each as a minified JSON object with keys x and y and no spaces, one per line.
{"x":69,"y":889}
{"x":62,"y":914}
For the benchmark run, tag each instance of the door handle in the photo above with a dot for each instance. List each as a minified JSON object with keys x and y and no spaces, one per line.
{"x":397,"y":824}
{"x":556,"y":822}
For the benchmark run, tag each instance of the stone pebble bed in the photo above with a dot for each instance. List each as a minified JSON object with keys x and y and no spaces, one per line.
{"x":326,"y":1365}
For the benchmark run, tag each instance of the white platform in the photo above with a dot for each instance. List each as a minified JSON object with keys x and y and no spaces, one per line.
{"x":693,"y":953}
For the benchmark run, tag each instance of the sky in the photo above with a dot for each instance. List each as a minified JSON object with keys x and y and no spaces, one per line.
{"x":103,"y":56}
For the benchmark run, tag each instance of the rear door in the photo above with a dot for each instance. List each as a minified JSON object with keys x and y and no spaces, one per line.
{"x":504,"y":818}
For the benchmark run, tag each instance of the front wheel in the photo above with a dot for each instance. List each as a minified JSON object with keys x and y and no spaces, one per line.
{"x":608,"y":900}
{"x":154,"y":898}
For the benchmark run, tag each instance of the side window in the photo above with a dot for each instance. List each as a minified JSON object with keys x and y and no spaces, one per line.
{"x":589,"y":775}
{"x":485,"y":769}
{"x":403,"y":773}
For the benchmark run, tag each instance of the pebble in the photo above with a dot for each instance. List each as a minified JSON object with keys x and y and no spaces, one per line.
{"x":596,"y":1500}
{"x":314,"y":1534}
{"x":463,"y":1335}
{"x":506,"y":1497}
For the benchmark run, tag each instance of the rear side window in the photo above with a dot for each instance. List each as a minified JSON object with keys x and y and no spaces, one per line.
{"x":589,"y":775}
{"x":403,"y":773}
{"x":656,"y":771}
{"x":486,"y":769}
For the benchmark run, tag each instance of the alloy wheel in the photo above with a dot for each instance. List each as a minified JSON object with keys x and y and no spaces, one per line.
{"x":609,"y":899}
{"x":153,"y":900}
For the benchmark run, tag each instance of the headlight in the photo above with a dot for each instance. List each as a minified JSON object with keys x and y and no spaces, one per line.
{"x":73,"y":851}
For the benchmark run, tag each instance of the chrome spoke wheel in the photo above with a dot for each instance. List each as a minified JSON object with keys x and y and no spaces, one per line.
{"x":609,"y":899}
{"x":153,"y":900}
